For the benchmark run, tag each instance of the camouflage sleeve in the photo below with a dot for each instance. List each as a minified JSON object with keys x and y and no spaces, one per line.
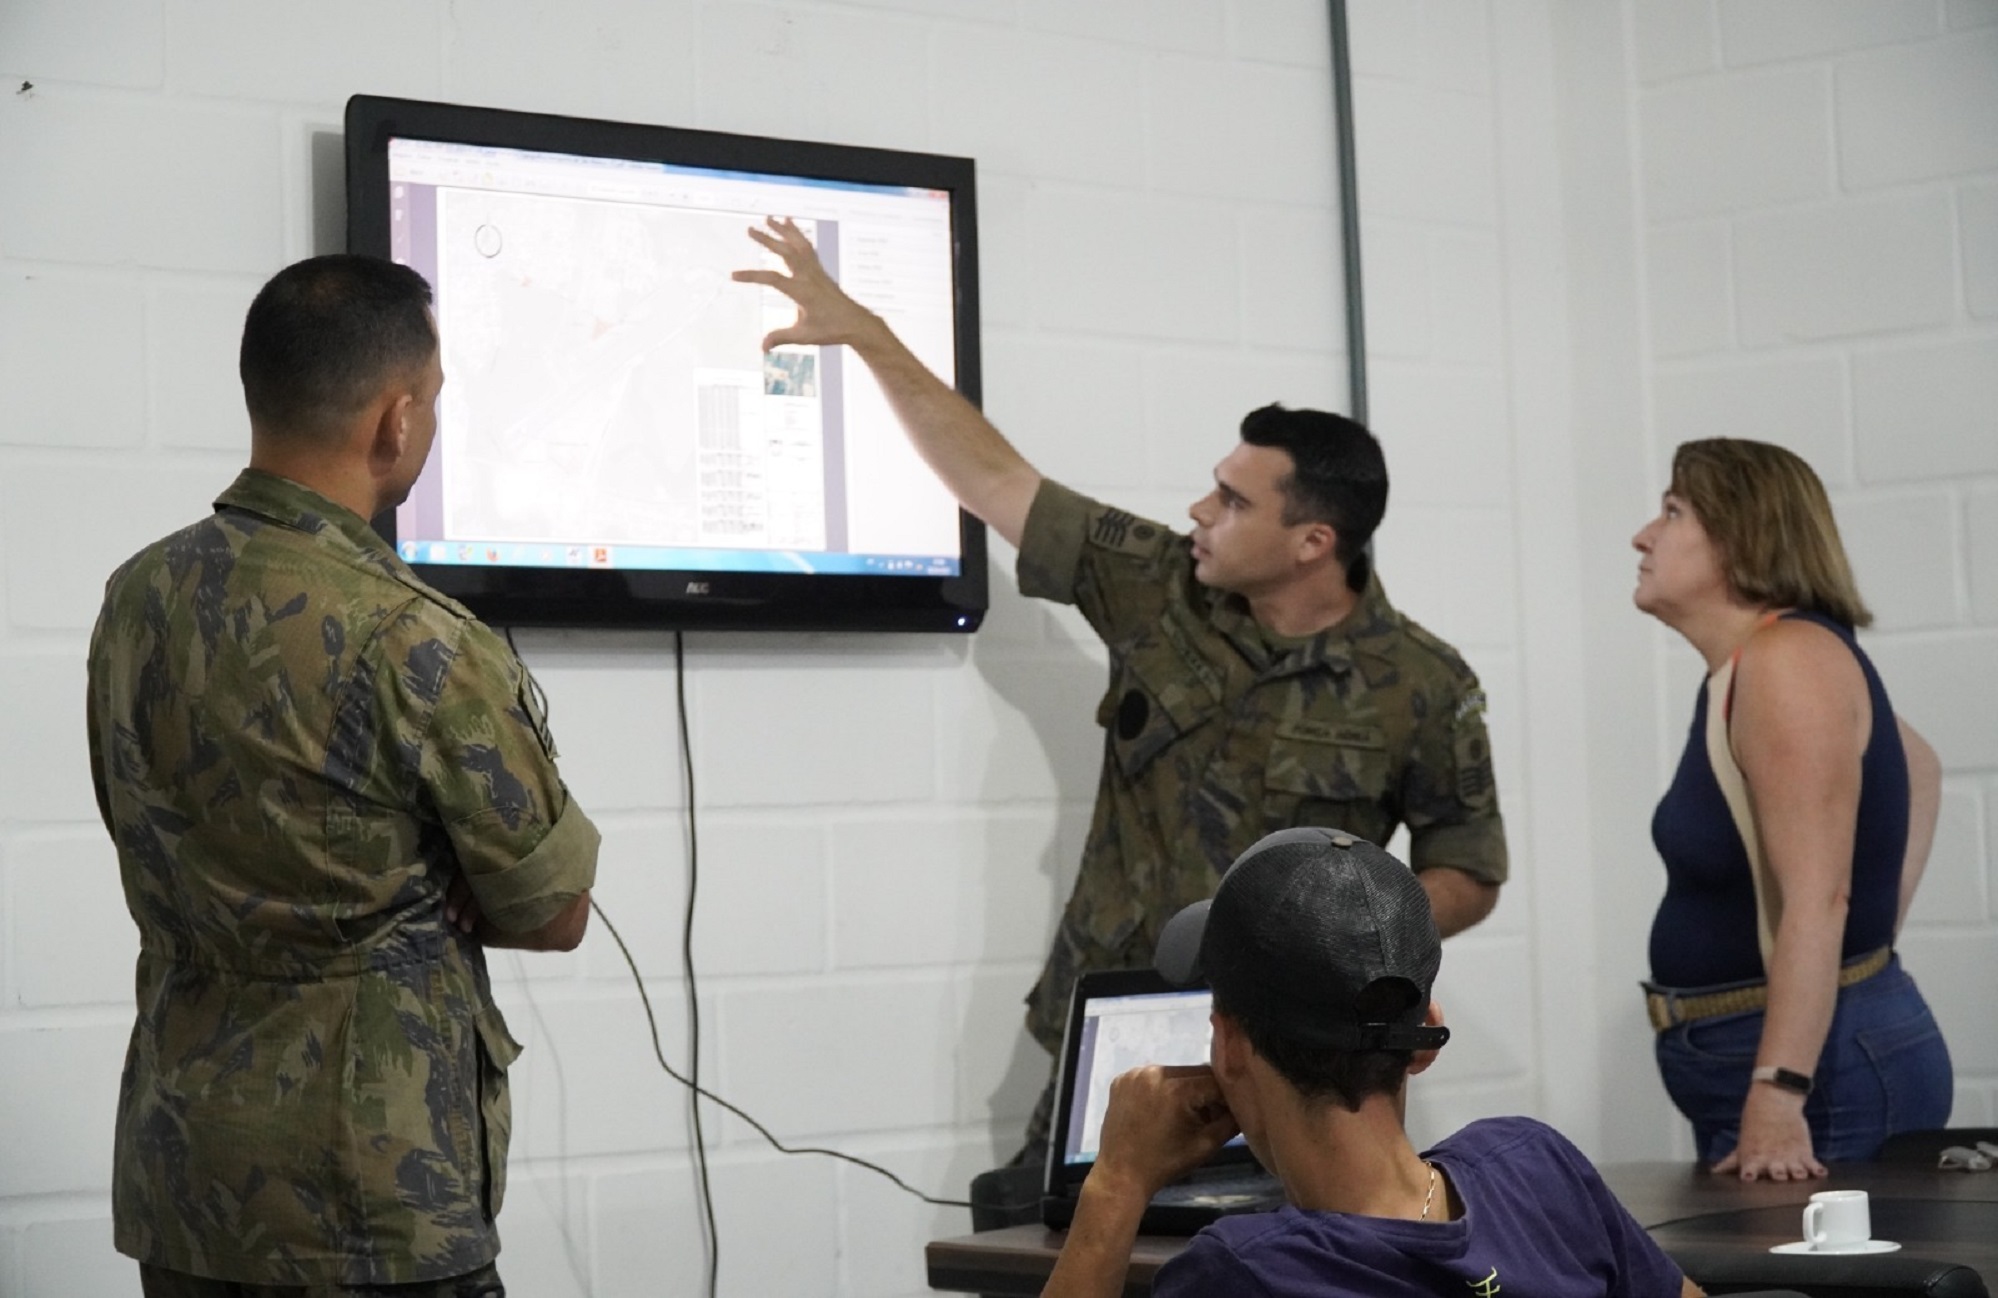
{"x":488,"y":765}
{"x":1114,"y":566}
{"x":1450,"y":798}
{"x":91,"y":720}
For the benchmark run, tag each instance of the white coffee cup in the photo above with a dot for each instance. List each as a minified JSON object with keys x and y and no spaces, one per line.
{"x":1836,"y":1219}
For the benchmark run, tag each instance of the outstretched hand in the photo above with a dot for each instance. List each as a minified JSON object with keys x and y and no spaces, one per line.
{"x":826,"y":314}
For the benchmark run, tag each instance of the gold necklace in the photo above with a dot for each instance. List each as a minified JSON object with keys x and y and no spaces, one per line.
{"x":1427,"y":1198}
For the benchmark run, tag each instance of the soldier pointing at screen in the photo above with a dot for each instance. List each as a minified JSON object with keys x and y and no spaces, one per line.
{"x":1259,"y":678}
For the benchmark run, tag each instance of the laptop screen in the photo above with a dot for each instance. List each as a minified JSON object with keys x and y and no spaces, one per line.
{"x":1119,"y":1033}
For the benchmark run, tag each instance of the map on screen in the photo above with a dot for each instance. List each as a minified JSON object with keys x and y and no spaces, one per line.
{"x":1120,"y":1033}
{"x":607,"y":399}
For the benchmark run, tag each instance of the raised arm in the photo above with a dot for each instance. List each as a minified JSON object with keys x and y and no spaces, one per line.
{"x":977,"y":463}
{"x":1924,"y":803}
{"x":1801,"y":718}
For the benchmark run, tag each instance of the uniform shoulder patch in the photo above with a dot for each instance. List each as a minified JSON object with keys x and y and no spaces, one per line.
{"x":1125,"y":533}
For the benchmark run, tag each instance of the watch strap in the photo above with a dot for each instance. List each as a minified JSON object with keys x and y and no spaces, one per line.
{"x":1787,"y":1078}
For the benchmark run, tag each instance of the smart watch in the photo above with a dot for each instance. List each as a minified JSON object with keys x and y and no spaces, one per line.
{"x":1787,"y":1078}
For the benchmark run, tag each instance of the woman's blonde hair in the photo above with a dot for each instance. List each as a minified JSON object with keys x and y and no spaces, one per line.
{"x":1768,"y":516}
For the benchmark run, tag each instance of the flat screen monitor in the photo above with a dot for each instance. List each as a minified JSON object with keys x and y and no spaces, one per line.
{"x":614,"y":447}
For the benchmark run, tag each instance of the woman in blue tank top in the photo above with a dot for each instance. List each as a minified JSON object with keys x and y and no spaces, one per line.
{"x":1787,"y":1031}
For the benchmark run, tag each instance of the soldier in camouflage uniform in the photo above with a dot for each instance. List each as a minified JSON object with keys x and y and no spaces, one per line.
{"x":1259,"y":678}
{"x":1221,"y":730}
{"x":330,"y":787}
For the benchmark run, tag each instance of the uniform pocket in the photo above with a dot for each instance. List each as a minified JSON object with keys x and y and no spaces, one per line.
{"x":497,"y":1051}
{"x":1911,"y":1064}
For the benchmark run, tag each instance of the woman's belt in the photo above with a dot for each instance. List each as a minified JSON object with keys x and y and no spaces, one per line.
{"x":1669,"y":1009}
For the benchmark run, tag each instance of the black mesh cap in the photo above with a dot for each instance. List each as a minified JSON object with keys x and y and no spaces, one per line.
{"x":1320,"y":936}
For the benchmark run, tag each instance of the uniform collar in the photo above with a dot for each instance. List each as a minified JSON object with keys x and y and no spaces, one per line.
{"x":1333,"y":648}
{"x":289,"y":504}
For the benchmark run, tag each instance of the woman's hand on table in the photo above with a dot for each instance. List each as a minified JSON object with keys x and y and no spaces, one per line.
{"x":1775,"y":1139}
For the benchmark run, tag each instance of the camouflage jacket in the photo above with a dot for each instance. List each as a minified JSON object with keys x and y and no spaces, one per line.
{"x":296,"y":745}
{"x":1218,"y":732}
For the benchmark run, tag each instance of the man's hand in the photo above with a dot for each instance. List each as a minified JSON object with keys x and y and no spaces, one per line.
{"x":962,"y":448}
{"x":826,"y":315}
{"x":1162,"y":1122}
{"x":562,"y":933}
{"x":461,"y":907}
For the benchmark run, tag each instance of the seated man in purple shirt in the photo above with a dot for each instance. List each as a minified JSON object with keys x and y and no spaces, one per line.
{"x":1321,"y":951}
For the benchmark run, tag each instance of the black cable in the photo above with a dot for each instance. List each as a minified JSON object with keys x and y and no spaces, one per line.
{"x":692,"y":1083}
{"x":653,"y":1024}
{"x":687,"y":963}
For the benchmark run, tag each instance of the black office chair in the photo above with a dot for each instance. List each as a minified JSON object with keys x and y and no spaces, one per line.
{"x":1721,"y":1270}
{"x":1923,"y":1148}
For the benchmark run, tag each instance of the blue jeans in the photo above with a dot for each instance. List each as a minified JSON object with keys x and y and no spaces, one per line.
{"x":1884,"y":1069}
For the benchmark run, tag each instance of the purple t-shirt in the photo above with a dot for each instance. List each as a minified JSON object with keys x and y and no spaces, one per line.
{"x":1537,"y":1220}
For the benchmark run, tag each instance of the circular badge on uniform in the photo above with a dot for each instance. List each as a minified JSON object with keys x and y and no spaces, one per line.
{"x":1132,"y":713}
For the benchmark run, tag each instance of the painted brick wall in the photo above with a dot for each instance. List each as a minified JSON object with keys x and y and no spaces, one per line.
{"x":872,"y":911}
{"x":1159,"y":255}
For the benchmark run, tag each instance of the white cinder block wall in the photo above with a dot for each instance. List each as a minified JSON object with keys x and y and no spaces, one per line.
{"x":888,"y":825}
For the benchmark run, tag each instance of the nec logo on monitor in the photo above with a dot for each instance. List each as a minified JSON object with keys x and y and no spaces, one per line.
{"x":697,"y":588}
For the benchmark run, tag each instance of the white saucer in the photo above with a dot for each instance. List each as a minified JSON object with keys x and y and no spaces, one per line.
{"x":1804,"y":1246}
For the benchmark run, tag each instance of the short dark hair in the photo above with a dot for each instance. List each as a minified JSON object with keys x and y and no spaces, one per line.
{"x":1342,"y":1077}
{"x":1338,"y":476}
{"x":324,"y":335}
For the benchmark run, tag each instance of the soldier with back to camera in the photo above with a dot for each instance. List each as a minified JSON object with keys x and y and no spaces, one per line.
{"x":330,"y":788}
{"x":1259,"y":677}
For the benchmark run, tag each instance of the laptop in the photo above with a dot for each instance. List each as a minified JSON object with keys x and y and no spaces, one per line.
{"x":1118,"y":1020}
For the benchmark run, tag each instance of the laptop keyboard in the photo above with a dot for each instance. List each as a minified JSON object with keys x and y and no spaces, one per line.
{"x":1221,"y":1192}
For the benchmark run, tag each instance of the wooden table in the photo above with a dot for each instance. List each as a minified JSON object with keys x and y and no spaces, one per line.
{"x":1017,"y":1260}
{"x":1952,"y":1215}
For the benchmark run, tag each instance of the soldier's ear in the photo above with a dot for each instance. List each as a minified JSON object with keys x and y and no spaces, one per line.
{"x":1317,"y":541}
{"x":390,"y":438}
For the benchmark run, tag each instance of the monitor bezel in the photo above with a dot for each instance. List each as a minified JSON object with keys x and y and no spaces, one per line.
{"x":689,"y":599}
